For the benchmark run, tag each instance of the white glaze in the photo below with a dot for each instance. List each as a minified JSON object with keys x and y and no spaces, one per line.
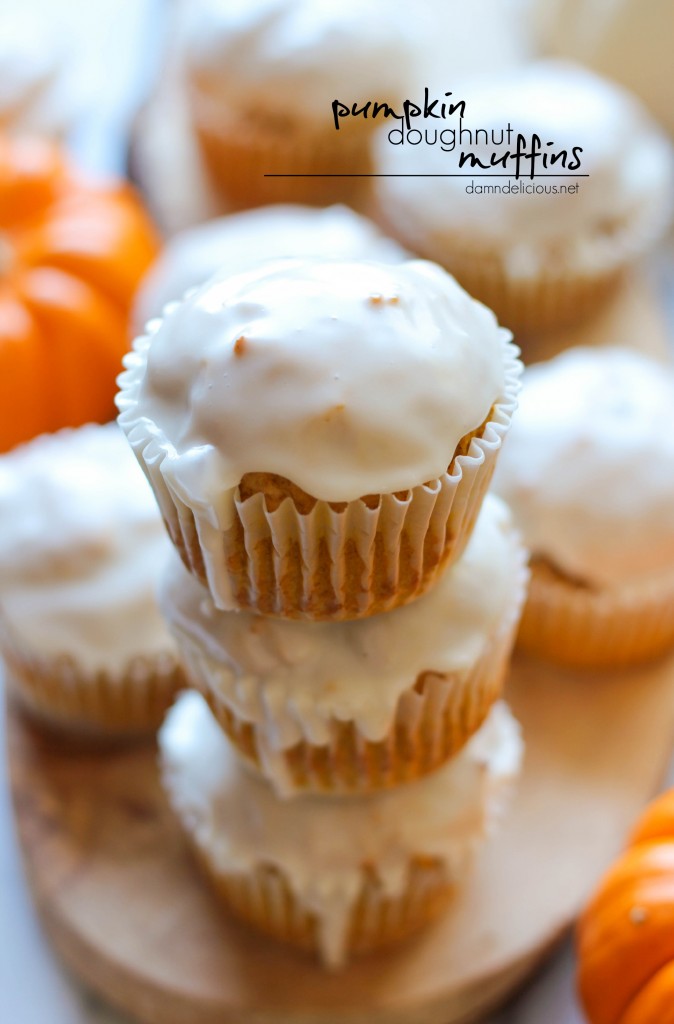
{"x":294,"y":57}
{"x":320,"y":845}
{"x":294,"y":678}
{"x":627,"y":157}
{"x":589,"y":467}
{"x":81,"y":549}
{"x":239,"y":241}
{"x":354,"y":378}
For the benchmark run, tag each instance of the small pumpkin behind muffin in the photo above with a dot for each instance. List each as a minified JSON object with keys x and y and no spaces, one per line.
{"x":72,"y":253}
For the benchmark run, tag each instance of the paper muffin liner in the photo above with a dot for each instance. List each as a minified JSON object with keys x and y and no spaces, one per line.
{"x":240,"y":150}
{"x":61,"y":695}
{"x":548,"y":302}
{"x":583,"y":627}
{"x":275,"y":864}
{"x":334,"y":562}
{"x":432,"y":721}
{"x":265,"y":900}
{"x":553,"y":294}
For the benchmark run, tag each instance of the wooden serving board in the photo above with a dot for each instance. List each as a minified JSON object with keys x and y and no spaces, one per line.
{"x":125,"y":907}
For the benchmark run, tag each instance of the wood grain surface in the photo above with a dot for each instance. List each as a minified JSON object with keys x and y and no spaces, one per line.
{"x":127,"y":910}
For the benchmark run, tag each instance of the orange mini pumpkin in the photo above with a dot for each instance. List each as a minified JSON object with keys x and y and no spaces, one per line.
{"x":626,"y":935}
{"x":71,"y":256}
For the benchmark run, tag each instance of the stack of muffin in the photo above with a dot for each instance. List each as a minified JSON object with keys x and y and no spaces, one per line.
{"x":320,"y":435}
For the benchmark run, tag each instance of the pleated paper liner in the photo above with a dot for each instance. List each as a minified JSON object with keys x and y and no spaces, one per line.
{"x":583,"y":627}
{"x":556,"y":289}
{"x":552,"y":300}
{"x":433,"y":721}
{"x":332,"y":562}
{"x":318,"y":164}
{"x":62,"y":696}
{"x":265,"y":900}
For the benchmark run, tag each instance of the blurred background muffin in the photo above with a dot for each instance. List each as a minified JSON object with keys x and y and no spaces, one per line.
{"x":81,"y":550}
{"x":628,"y":41}
{"x":547,"y":260}
{"x":37,"y":93}
{"x":588,"y":472}
{"x":261,"y":77}
{"x":243,"y":239}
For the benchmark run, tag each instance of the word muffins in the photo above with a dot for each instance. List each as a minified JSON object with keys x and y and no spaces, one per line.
{"x":546,"y":252}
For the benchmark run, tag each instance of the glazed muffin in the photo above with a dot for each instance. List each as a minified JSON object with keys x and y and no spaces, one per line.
{"x":588,"y":473}
{"x":336,"y":877}
{"x":241,"y":240}
{"x":261,"y":78}
{"x":547,"y":259}
{"x":81,"y":549}
{"x":363,"y":705}
{"x":320,"y":434}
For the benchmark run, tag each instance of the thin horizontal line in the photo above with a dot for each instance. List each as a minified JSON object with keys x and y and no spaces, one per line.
{"x":520,"y":177}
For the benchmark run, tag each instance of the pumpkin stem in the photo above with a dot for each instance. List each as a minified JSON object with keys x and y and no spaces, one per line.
{"x":6,"y":255}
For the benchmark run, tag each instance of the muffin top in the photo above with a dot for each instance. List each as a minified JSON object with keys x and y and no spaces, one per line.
{"x":81,"y":547}
{"x":626,"y":157}
{"x":321,"y":845}
{"x":292,"y":58}
{"x":347,"y":378}
{"x":239,"y":241}
{"x":589,"y":465}
{"x":296,"y":677}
